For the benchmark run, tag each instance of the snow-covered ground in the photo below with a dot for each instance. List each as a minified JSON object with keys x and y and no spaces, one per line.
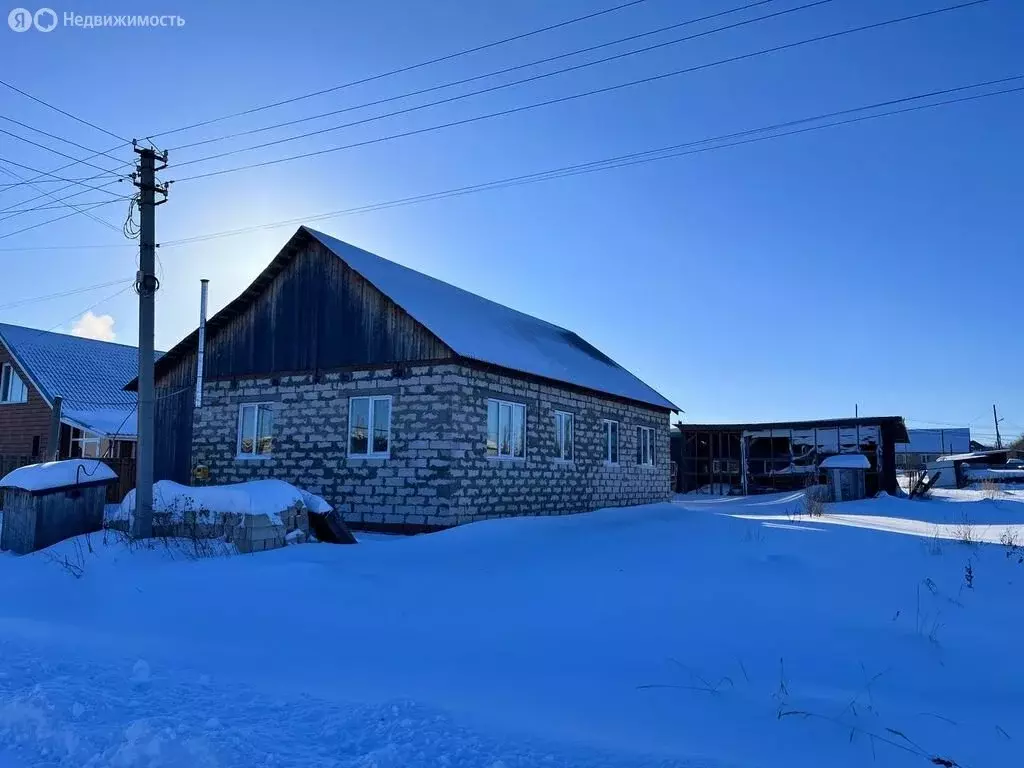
{"x":719,"y":632}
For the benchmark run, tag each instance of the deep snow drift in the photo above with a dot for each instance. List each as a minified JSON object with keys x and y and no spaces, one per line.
{"x":668,"y":635}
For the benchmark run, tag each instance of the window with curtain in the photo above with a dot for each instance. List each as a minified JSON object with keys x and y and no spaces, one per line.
{"x":644,"y":445}
{"x":611,"y":441}
{"x":369,"y":426}
{"x":255,"y":430}
{"x":563,"y":435}
{"x":506,"y":430}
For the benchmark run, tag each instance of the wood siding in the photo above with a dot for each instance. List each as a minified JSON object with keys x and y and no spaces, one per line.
{"x":317,"y":313}
{"x":20,"y":423}
{"x":314,"y":314}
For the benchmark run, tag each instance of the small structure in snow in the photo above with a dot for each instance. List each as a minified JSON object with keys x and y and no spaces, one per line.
{"x":255,"y":516}
{"x":846,"y":475}
{"x":47,"y":503}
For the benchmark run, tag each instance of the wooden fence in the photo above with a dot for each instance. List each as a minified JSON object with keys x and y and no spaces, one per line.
{"x":124,"y":468}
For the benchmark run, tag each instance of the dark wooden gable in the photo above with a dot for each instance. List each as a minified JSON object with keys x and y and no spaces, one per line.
{"x":306,"y":311}
{"x":317,"y":313}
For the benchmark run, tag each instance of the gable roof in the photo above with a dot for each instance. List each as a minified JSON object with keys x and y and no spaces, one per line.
{"x":88,"y":374}
{"x":473,"y":327}
{"x":481,"y":329}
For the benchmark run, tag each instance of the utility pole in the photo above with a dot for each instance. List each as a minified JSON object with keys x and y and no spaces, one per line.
{"x":995,"y":418}
{"x":146,"y":286}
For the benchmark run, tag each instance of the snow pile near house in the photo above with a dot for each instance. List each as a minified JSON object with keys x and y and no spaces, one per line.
{"x":57,"y":474}
{"x":664,"y":636}
{"x":256,"y":497}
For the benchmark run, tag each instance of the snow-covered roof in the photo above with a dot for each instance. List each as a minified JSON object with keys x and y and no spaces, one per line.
{"x":88,"y":374}
{"x":480,"y":329}
{"x":58,"y":474}
{"x":846,"y":461}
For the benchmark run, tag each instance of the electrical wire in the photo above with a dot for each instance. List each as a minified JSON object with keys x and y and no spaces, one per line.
{"x":78,"y":182}
{"x":13,"y":210}
{"x":651,"y":155}
{"x":549,"y":102}
{"x":84,"y":211}
{"x":534,"y":63}
{"x":61,"y":111}
{"x":131,"y":229}
{"x":59,"y":295}
{"x":51,"y":149}
{"x":401,"y":70}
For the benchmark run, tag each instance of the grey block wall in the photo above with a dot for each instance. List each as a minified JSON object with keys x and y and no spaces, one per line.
{"x":438,"y":473}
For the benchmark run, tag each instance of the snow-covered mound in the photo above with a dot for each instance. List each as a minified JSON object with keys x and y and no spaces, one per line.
{"x":57,"y":474}
{"x":709,"y":633}
{"x":256,"y":497}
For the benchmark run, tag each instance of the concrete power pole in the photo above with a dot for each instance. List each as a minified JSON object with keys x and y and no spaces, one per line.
{"x":995,"y":418}
{"x":146,"y":286}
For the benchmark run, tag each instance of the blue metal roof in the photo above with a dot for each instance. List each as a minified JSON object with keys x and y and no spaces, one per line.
{"x":88,"y":374}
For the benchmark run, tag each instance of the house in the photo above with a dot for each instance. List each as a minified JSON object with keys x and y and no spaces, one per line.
{"x":927,"y":445}
{"x":782,"y":456}
{"x":408,"y":403}
{"x":97,"y":414}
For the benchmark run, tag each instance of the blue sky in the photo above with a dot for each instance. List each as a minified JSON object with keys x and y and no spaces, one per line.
{"x":876,"y":264}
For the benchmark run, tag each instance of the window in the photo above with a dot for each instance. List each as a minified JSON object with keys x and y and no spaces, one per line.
{"x":88,"y":445}
{"x":611,"y":441}
{"x":12,"y":388}
{"x":255,"y":430}
{"x":369,"y":426}
{"x":644,"y":445}
{"x":506,"y":430}
{"x":563,"y":435}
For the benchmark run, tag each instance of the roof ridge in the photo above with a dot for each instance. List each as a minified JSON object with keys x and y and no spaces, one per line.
{"x":67,"y":335}
{"x":318,"y":234}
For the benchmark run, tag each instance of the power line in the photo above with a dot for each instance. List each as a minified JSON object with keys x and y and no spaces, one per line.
{"x":502,"y":86}
{"x":51,"y":149}
{"x":78,"y":182}
{"x":562,"y":99}
{"x":59,"y":295}
{"x":506,"y":70}
{"x":93,"y":246}
{"x":63,"y":112}
{"x":60,"y":138}
{"x":76,"y":209}
{"x":401,"y":70}
{"x":13,"y":210}
{"x":661,"y":153}
{"x":59,"y":206}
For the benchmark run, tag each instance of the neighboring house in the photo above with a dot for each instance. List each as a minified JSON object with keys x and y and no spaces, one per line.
{"x":782,"y":456}
{"x":926,"y":445}
{"x":97,"y":414}
{"x":408,"y":403}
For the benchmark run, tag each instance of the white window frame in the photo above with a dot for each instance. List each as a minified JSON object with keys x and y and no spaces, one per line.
{"x":8,"y":375}
{"x":608,"y":441}
{"x":370,"y":427}
{"x":256,"y":439}
{"x":512,"y":406}
{"x":645,"y":446}
{"x":559,"y":446}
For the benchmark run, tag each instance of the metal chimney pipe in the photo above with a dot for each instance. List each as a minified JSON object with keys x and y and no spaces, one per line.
{"x":204,"y":287}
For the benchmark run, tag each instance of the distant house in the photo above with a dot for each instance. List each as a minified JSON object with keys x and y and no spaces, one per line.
{"x":782,"y":456}
{"x":408,"y":403}
{"x":97,"y":415}
{"x":927,"y":445}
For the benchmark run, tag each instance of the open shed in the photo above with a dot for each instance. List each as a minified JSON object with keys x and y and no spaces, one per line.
{"x":50,"y":502}
{"x":782,"y":456}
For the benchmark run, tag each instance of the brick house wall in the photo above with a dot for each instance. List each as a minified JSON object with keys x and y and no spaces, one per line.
{"x":437,"y":474}
{"x":21,"y":422}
